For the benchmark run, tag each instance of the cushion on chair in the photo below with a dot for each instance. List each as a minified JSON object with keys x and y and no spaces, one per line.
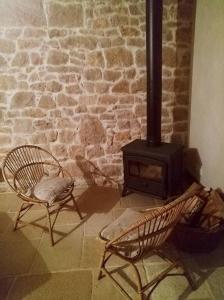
{"x":127,"y":218}
{"x":49,"y":188}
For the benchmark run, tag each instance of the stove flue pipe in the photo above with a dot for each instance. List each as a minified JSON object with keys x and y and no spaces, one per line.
{"x":154,"y":13}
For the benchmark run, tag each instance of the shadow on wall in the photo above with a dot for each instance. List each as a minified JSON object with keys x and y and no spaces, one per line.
{"x":93,"y":175}
{"x":16,"y":259}
{"x":103,"y":192}
{"x":192,"y":163}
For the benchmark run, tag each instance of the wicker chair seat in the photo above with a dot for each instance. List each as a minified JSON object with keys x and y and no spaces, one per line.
{"x":51,"y":189}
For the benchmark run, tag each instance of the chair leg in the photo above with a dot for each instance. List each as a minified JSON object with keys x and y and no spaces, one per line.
{"x":140,"y":291}
{"x":101,"y":265}
{"x":18,"y":216}
{"x":50,"y":226}
{"x":21,"y":210}
{"x":76,"y":207}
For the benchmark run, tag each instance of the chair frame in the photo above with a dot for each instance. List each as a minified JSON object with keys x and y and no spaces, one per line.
{"x":147,"y":242}
{"x":34,"y":174}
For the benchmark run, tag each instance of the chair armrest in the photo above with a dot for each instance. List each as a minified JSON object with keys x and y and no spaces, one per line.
{"x":151,"y":209}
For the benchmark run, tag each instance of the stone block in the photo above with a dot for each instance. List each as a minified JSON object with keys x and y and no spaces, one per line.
{"x":101,"y":87}
{"x":65,"y":15}
{"x":111,"y":75}
{"x":66,"y":136}
{"x":3,"y":62}
{"x":93,"y":74}
{"x":57,"y":57}
{"x":53,"y":86}
{"x":94,"y":152}
{"x":73,"y":89}
{"x":22,"y":13}
{"x":7,"y":82}
{"x":39,"y":138}
{"x":121,"y":87}
{"x":21,"y":59}
{"x":65,"y":123}
{"x":42,"y":124}
{"x":7,"y":46}
{"x":34,"y":32}
{"x":33,"y":113}
{"x":59,"y":150}
{"x":47,"y":102}
{"x":38,"y":86}
{"x":95,"y":59}
{"x":76,"y":150}
{"x":91,"y":131}
{"x":57,"y":33}
{"x":140,"y":58}
{"x":63,"y":100}
{"x":79,"y":41}
{"x":22,"y":100}
{"x":101,"y":23}
{"x":136,"y":42}
{"x":52,"y":136}
{"x":23,"y":126}
{"x":169,"y":57}
{"x":129,"y":31}
{"x":5,"y":139}
{"x":28,"y":43}
{"x":140,"y":110}
{"x":107,"y":100}
{"x":180,"y":113}
{"x":139,"y":85}
{"x":118,"y":57}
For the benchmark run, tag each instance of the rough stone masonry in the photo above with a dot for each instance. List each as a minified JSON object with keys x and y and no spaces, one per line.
{"x":73,"y":77}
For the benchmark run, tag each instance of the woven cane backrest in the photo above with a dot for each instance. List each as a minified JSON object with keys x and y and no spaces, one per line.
{"x":24,"y":166}
{"x":152,"y":230}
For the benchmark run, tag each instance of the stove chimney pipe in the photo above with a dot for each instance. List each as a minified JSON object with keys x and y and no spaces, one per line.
{"x":154,"y":13}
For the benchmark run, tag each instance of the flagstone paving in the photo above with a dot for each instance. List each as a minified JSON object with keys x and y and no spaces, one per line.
{"x":30,"y":268}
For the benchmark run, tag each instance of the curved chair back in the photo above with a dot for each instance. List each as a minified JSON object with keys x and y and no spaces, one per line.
{"x":151,"y":231}
{"x":24,"y":166}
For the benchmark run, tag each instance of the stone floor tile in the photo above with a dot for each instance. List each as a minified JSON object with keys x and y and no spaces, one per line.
{"x":92,"y":252}
{"x":64,"y":285}
{"x":65,"y":254}
{"x":9,"y":202}
{"x":35,"y":223}
{"x":175,"y":287}
{"x":5,"y":285}
{"x":6,"y":219}
{"x":17,"y":256}
{"x":140,"y":200}
{"x":98,"y":200}
{"x":96,"y":222}
{"x":215,"y":281}
{"x":67,"y":216}
{"x":106,"y":289}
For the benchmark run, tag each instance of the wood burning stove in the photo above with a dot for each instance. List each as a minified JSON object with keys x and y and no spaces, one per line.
{"x":152,"y":166}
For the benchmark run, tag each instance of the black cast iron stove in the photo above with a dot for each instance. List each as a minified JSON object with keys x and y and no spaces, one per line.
{"x":150,"y":165}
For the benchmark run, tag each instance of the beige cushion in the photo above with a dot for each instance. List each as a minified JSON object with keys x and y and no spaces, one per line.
{"x":49,"y":188}
{"x":117,"y":227}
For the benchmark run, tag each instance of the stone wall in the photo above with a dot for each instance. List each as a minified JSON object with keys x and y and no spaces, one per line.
{"x":73,"y":77}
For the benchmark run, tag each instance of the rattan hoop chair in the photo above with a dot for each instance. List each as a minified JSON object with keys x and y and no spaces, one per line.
{"x":38,"y":179}
{"x":148,"y":233}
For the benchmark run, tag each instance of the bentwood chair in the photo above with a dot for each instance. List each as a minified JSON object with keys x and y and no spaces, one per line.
{"x":38,"y":179}
{"x":135,"y":233}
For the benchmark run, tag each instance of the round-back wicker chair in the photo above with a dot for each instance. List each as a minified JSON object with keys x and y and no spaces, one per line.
{"x":134,"y":234}
{"x":38,"y":179}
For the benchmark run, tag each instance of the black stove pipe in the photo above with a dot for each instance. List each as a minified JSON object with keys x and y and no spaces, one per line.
{"x":154,"y":14}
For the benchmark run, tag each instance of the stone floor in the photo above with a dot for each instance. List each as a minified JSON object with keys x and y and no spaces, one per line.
{"x":31,"y":269}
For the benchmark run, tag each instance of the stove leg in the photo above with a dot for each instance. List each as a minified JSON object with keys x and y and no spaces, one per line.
{"x":124,"y":191}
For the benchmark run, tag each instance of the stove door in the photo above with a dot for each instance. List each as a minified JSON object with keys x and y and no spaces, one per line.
{"x":146,"y":175}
